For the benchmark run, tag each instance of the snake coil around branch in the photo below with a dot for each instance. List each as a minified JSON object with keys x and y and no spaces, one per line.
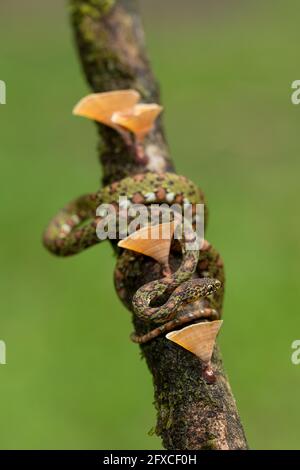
{"x":73,"y":230}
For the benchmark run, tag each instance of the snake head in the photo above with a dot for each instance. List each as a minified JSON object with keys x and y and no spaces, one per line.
{"x":206,"y":286}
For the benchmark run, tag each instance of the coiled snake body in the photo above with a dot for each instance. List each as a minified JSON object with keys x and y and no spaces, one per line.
{"x":73,"y":229}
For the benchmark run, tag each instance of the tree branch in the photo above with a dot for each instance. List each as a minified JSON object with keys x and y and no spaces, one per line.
{"x":190,"y":413}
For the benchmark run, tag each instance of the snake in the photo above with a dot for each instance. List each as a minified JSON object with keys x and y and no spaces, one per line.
{"x":73,"y":229}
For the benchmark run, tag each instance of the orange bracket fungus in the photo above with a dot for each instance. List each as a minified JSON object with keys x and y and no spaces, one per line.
{"x":199,"y":339}
{"x":121,"y":111}
{"x":153,"y":241}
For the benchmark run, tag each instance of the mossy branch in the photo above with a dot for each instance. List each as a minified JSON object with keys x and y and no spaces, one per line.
{"x":190,"y":413}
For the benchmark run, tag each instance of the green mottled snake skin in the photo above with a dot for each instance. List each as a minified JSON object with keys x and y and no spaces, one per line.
{"x":73,"y":230}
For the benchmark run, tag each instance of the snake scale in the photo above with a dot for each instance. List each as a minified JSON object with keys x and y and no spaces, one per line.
{"x":73,"y":230}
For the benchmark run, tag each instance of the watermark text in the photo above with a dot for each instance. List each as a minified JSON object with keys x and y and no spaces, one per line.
{"x":2,"y":92}
{"x":295,"y":357}
{"x":2,"y":352}
{"x":122,"y":221}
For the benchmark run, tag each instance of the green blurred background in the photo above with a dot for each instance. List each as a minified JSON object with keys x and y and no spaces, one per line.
{"x":73,"y":379}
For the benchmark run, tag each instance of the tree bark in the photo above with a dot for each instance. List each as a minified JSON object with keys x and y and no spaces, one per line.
{"x":190,"y":413}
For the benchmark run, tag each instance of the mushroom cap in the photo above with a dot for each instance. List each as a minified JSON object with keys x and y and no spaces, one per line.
{"x":101,"y":106}
{"x":198,"y":338}
{"x":153,"y":241}
{"x":139,"y":120}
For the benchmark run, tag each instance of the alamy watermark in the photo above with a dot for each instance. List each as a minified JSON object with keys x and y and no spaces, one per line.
{"x":2,"y":92}
{"x":295,"y":96}
{"x":118,"y":221}
{"x":295,"y":357}
{"x":2,"y":352}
